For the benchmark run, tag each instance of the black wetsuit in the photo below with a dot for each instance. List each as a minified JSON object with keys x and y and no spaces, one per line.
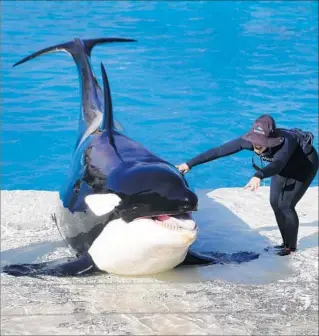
{"x":291,"y":169}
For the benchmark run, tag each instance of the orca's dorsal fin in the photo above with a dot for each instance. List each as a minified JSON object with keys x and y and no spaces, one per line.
{"x":72,"y":47}
{"x":108,"y":120}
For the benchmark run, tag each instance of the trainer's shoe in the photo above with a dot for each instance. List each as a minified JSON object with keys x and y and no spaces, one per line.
{"x":286,"y":251}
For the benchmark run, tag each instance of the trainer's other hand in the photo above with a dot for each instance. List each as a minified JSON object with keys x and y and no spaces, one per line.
{"x":253,"y":184}
{"x":183,"y":168}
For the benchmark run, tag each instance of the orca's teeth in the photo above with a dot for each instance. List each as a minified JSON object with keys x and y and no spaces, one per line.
{"x":169,"y":224}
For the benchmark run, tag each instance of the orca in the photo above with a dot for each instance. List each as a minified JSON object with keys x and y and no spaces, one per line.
{"x":122,"y":209}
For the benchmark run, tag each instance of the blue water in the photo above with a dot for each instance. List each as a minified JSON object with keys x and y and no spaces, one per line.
{"x":200,"y":74}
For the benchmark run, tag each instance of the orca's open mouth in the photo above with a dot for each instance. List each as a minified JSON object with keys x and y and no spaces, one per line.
{"x":175,"y":222}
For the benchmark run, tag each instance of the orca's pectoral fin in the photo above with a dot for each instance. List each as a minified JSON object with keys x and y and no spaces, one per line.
{"x":193,"y":258}
{"x":210,"y":258}
{"x":83,"y":265}
{"x":20,"y":269}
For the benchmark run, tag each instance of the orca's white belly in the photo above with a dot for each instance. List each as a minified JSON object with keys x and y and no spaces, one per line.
{"x":140,"y":247}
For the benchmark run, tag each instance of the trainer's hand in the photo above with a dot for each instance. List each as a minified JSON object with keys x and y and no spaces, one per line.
{"x":183,"y":168}
{"x":253,"y":184}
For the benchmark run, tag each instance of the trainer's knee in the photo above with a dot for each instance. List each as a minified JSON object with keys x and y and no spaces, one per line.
{"x":287,"y":210}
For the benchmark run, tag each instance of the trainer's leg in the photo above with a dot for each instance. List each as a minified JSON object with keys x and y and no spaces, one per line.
{"x":276,"y":188}
{"x":292,"y":193}
{"x":290,"y":215}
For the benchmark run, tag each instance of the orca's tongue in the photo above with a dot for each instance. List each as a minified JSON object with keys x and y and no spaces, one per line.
{"x":182,"y":221}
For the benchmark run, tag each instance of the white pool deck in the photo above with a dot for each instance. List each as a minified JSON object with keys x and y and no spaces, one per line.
{"x":269,"y":296}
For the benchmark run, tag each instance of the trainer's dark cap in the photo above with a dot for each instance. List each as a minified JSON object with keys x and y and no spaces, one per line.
{"x":263,"y":132}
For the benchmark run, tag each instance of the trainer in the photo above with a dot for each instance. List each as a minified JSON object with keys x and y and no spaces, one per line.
{"x":293,"y":164}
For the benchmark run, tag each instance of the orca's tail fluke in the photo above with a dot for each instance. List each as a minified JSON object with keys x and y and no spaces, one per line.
{"x":89,"y":44}
{"x":72,"y":47}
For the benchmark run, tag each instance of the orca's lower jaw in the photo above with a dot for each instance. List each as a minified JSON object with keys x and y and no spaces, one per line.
{"x":145,"y":245}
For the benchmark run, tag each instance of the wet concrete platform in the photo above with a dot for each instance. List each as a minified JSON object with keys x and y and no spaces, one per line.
{"x":268,"y":296}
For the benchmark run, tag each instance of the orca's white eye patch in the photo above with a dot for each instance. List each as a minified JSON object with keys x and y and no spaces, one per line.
{"x":101,"y":204}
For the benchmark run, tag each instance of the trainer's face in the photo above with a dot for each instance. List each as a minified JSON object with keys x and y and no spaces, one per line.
{"x":259,"y":149}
